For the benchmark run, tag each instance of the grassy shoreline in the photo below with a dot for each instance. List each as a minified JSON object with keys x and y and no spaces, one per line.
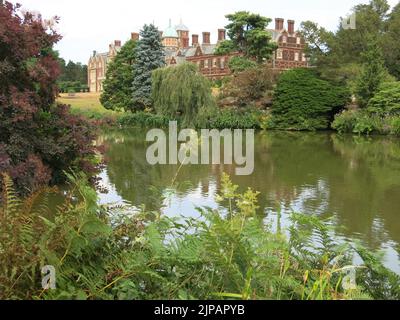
{"x":348,"y":122}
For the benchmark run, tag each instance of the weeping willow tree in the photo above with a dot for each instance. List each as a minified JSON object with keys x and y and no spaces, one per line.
{"x":181,"y":91}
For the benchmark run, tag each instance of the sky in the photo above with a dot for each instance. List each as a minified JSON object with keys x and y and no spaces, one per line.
{"x":88,"y":25}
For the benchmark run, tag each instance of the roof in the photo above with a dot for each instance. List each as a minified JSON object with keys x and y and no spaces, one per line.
{"x":181,"y":27}
{"x":275,"y":34}
{"x":170,"y":32}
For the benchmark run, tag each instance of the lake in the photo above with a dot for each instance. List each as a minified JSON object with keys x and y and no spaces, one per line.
{"x":353,"y":180}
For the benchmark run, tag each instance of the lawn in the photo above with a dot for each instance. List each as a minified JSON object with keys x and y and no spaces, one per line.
{"x":85,"y":103}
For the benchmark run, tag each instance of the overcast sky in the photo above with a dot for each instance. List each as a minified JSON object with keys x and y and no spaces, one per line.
{"x":88,"y":25}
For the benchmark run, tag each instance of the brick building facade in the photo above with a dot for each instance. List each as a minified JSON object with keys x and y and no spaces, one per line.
{"x":97,"y":66}
{"x":289,"y":54}
{"x":176,"y":40}
{"x":203,"y":54}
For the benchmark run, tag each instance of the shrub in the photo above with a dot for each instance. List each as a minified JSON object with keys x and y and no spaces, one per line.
{"x":395,"y":125}
{"x":240,"y":64}
{"x":250,"y":86}
{"x":181,"y":91}
{"x":386,"y":101}
{"x":364,"y":125}
{"x":345,"y":121}
{"x":248,"y":118}
{"x":302,"y":101}
{"x":362,"y":122}
{"x":143,"y":119}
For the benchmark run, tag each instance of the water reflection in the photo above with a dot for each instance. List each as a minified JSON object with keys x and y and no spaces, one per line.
{"x":356,"y":180}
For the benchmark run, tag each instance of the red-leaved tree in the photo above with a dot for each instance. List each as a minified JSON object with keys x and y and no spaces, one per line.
{"x":38,"y":138}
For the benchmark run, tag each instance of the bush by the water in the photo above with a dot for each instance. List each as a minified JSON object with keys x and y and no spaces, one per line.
{"x":381,"y":116}
{"x":232,"y":118}
{"x":303,"y":101}
{"x":143,"y":119}
{"x":362,"y":122}
{"x":232,"y":255}
{"x":249,"y":118}
{"x":386,"y":101}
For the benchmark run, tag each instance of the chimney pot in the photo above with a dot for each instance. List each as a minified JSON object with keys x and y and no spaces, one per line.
{"x":291,"y":26}
{"x":117,"y":43}
{"x":279,"y":24}
{"x":206,"y":37}
{"x":221,"y":35}
{"x":195,"y":39}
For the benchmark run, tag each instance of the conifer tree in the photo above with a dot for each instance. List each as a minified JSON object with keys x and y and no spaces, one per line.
{"x":372,"y":75}
{"x":117,"y":94}
{"x":149,"y":55}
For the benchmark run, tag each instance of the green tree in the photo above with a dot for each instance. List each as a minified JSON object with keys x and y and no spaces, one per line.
{"x":372,"y":74}
{"x":338,"y":55}
{"x":302,"y":101}
{"x":72,"y":71}
{"x":117,"y":94}
{"x":248,"y":35}
{"x":370,"y":24}
{"x":181,"y":91}
{"x":319,"y":43}
{"x":149,"y":55}
{"x":391,"y":42}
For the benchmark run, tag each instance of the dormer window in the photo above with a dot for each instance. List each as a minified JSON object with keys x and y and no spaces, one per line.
{"x":284,"y":39}
{"x":298,"y":40}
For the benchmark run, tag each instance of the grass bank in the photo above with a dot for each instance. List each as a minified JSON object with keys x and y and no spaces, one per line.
{"x":87,"y":104}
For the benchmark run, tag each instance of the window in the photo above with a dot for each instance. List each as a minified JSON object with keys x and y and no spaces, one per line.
{"x":304,"y":57}
{"x":284,"y":39}
{"x":296,"y":56}
{"x":279,"y":55}
{"x":222,"y":63}
{"x":298,"y":40}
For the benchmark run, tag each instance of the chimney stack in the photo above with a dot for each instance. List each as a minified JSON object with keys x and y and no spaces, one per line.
{"x":185,"y":43}
{"x":94,"y":53}
{"x":291,"y":26}
{"x":134,"y":36}
{"x":206,"y":38}
{"x":195,"y":40}
{"x":279,"y":24}
{"x":117,"y":43}
{"x":221,"y":35}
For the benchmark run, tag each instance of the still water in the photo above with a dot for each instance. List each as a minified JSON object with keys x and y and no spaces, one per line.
{"x":354,"y":180}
